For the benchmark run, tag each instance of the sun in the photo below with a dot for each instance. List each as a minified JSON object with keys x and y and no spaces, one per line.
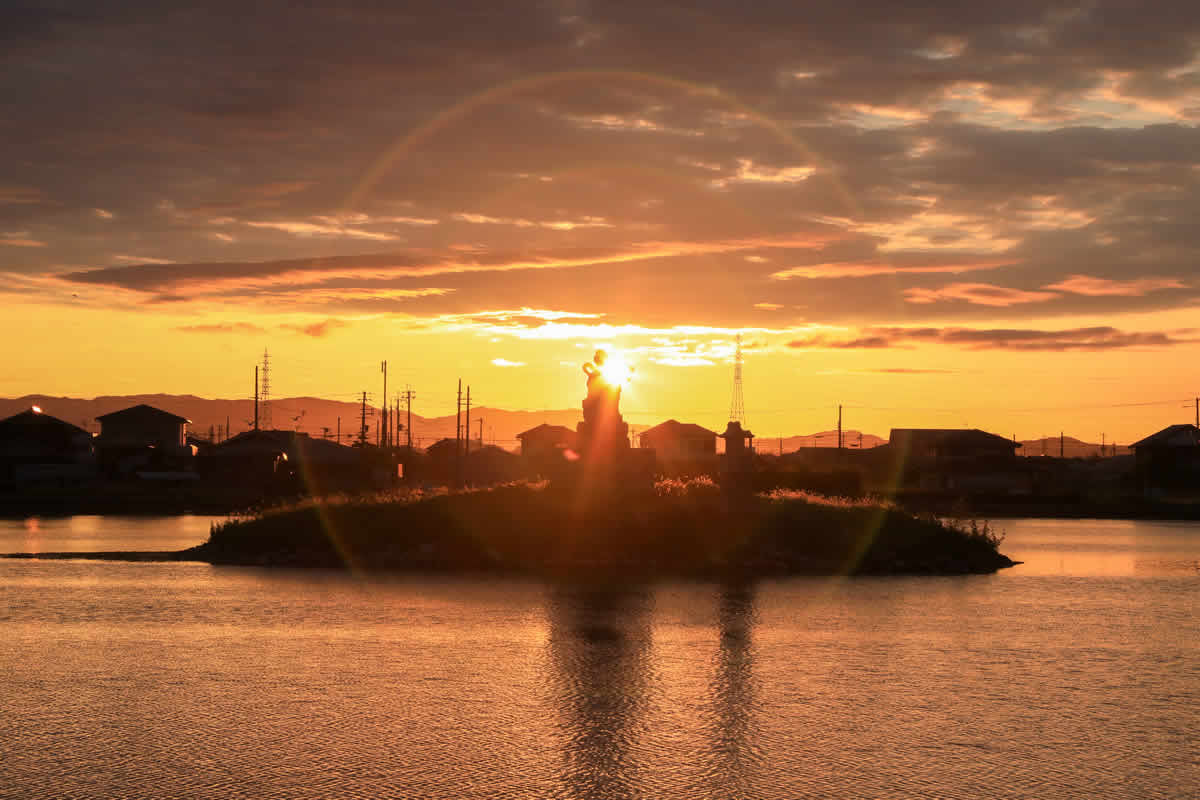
{"x":616,"y":370}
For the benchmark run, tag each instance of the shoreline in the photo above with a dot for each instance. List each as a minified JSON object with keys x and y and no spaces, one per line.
{"x":691,"y":531}
{"x":548,"y":532}
{"x":170,"y":506}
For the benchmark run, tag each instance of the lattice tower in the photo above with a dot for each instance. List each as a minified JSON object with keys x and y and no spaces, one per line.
{"x":737,"y":410}
{"x":264,"y":394}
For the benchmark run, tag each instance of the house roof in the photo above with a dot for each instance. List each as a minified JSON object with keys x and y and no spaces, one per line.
{"x":296,"y":445}
{"x":144,"y":411}
{"x":442,"y":445}
{"x":547,"y":431}
{"x":1172,"y":436}
{"x":34,"y":423}
{"x":680,"y":430}
{"x":948,"y":437}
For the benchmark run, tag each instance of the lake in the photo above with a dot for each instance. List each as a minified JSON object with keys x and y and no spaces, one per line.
{"x":1073,"y":675}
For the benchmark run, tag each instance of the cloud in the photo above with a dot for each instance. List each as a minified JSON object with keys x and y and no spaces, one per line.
{"x":871,"y":269}
{"x":768,"y":306}
{"x":554,"y":225}
{"x":1095,"y":338}
{"x":103,"y":214}
{"x":1102,"y":287}
{"x":316,"y":329}
{"x":141,"y":260}
{"x":504,"y":362}
{"x":222,"y":327}
{"x":982,"y":294}
{"x":148,"y":276}
{"x":300,"y":228}
{"x":21,"y":195}
{"x":749,"y":172}
{"x":20,"y":239}
{"x":1047,"y":140}
{"x":912,"y":371}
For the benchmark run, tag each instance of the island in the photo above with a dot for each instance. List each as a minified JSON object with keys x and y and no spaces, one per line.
{"x":554,"y":532}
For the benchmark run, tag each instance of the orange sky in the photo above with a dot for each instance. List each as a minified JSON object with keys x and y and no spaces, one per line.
{"x":935,"y":218}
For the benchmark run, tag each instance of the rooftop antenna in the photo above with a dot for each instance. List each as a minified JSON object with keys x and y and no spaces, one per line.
{"x":264,"y":393}
{"x":737,"y":410}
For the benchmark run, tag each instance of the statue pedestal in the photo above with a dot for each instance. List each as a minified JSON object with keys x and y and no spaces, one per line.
{"x":607,"y":464}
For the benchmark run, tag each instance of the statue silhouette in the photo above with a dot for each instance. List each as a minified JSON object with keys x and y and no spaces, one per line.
{"x":603,"y":396}
{"x":602,"y":431}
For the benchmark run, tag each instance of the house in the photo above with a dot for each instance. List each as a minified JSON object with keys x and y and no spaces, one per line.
{"x":546,"y":441}
{"x":292,"y":461}
{"x":38,"y":448}
{"x":949,"y":444}
{"x":545,"y":448}
{"x":681,"y":444}
{"x":142,"y":438}
{"x":1169,"y":459}
{"x":957,"y":459}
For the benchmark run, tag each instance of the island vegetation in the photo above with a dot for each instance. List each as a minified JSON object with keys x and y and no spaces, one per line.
{"x":680,"y":528}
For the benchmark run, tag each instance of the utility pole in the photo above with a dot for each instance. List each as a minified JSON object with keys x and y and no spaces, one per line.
{"x":781,"y":446}
{"x":1062,"y":445}
{"x":481,"y":433}
{"x":383,"y":409}
{"x":408,"y":396}
{"x":839,"y":427}
{"x":362,"y":431}
{"x":256,"y":397}
{"x":1198,"y":412}
{"x":458,"y":438}
{"x":467,"y":426}
{"x":339,"y":431}
{"x":226,"y":427}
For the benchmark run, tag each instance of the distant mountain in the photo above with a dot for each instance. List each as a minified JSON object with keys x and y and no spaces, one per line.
{"x":312,"y":415}
{"x":319,"y":417}
{"x":852,"y":439}
{"x":1071,"y":448}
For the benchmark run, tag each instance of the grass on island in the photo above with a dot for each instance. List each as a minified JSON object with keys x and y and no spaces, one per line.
{"x":681,"y":528}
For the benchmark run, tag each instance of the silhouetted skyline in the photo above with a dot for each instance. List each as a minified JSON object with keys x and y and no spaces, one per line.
{"x":947,"y":214}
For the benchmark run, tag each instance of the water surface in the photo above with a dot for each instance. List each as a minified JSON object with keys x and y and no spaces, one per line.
{"x":1073,"y":675}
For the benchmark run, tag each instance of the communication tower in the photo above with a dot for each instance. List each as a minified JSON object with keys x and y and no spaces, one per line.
{"x":737,"y":411}
{"x":264,"y":392}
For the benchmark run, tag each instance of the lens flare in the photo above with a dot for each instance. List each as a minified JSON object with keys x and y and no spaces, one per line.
{"x":616,"y":370}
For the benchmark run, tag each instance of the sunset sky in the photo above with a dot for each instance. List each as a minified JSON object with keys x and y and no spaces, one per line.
{"x":943,"y":215}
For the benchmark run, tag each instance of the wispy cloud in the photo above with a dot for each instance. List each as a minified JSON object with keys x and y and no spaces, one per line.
{"x":1095,"y":338}
{"x":504,"y":362}
{"x":554,"y":225}
{"x":145,"y":275}
{"x":316,"y":329}
{"x":21,"y":195}
{"x":1102,"y":287}
{"x":20,"y":239}
{"x":222,"y":327}
{"x":300,"y":228}
{"x":749,"y":172}
{"x":980,"y":294}
{"x":141,"y":260}
{"x":868,"y":269}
